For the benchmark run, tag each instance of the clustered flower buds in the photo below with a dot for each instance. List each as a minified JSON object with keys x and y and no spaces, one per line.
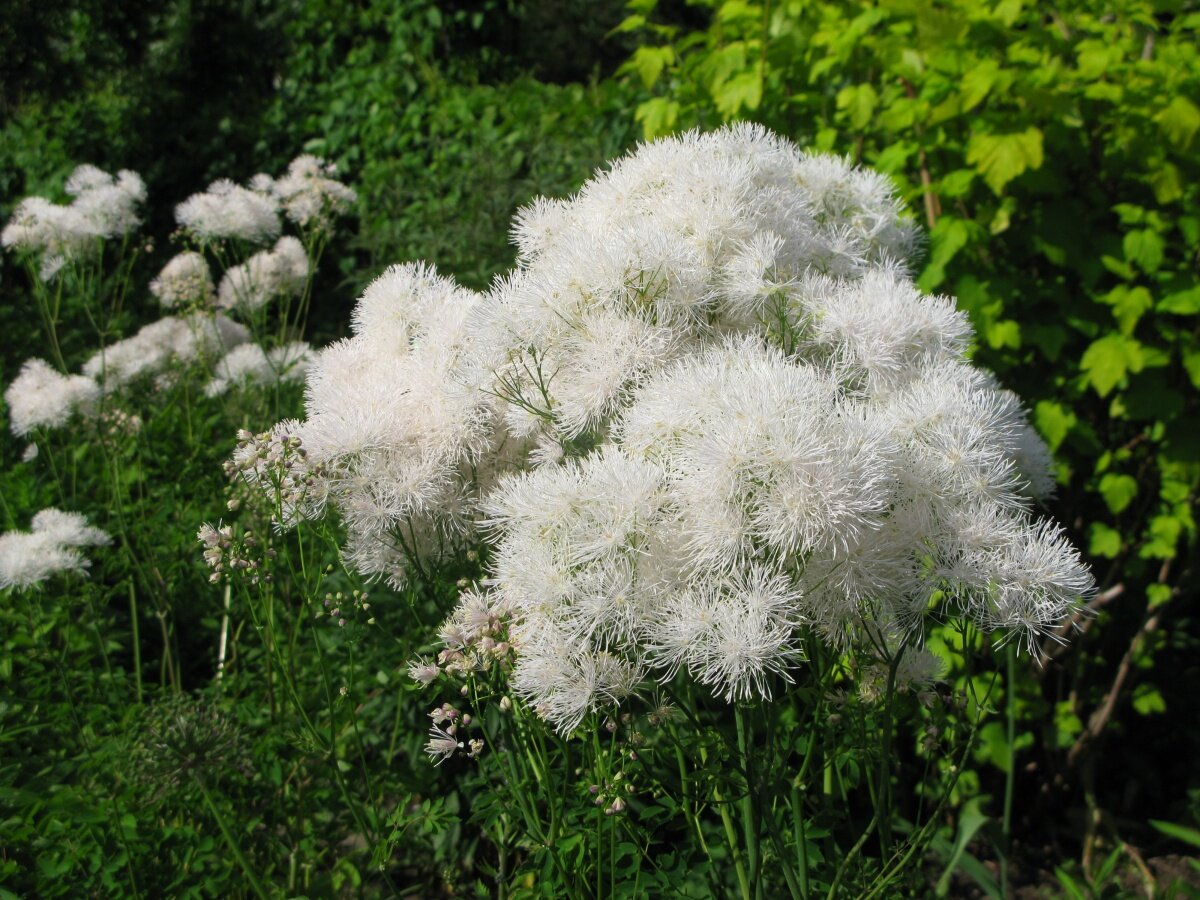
{"x":227,"y":554}
{"x":475,"y":639}
{"x":277,"y":465}
{"x":448,"y":734}
{"x":337,"y":605}
{"x":117,"y":424}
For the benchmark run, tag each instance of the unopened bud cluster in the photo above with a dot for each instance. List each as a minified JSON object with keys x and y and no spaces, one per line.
{"x":277,"y":465}
{"x":475,"y":639}
{"x":116,"y":424}
{"x":449,"y":735}
{"x":338,"y":605}
{"x":225,"y":553}
{"x":612,"y":794}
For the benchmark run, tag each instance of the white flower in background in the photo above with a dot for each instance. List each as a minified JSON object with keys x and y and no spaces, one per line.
{"x":170,"y":340}
{"x":268,"y":274}
{"x":27,"y":558}
{"x":227,"y":210}
{"x":109,"y":204}
{"x":398,"y":439}
{"x":310,"y":194}
{"x":42,"y":397}
{"x":103,"y":206}
{"x":185,"y":281}
{"x":249,"y":365}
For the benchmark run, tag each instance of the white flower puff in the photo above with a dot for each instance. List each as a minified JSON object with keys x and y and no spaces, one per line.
{"x":706,"y":419}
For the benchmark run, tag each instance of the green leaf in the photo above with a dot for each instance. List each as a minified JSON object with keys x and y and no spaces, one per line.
{"x":1166,"y":182}
{"x":1118,"y":267}
{"x":1104,"y":541}
{"x":658,"y":116}
{"x":1054,"y":422}
{"x":1129,"y":304}
{"x":970,"y":820}
{"x":1163,"y":538}
{"x":1145,"y":248}
{"x":895,"y":157}
{"x":732,"y":10}
{"x":649,"y":63}
{"x":977,"y":82}
{"x":1182,"y":303}
{"x":956,"y":183}
{"x":1147,"y":700}
{"x":948,"y":237}
{"x":1002,"y":157}
{"x":858,"y":102}
{"x":1094,"y":58}
{"x":1118,"y":491}
{"x":1179,"y":121}
{"x":1003,"y":333}
{"x":1107,"y":360}
{"x":1157,"y":594}
{"x":743,"y":90}
{"x":631,"y":23}
{"x":1191,"y":363}
{"x":1178,"y":832}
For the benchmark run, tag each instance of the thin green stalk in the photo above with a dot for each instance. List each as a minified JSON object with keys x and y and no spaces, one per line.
{"x":735,"y":848}
{"x":686,"y":799}
{"x":1010,"y":710}
{"x":748,"y":805}
{"x":852,"y":855}
{"x":255,"y":884}
{"x":801,"y":838}
{"x":918,"y":840}
{"x":883,"y":799}
{"x":137,"y":643}
{"x":786,"y":867}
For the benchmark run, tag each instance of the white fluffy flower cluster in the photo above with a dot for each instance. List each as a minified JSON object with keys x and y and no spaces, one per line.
{"x":103,"y":206}
{"x":684,"y":241}
{"x":739,"y":423}
{"x":397,"y":436}
{"x":310,"y":193}
{"x":163,"y":343}
{"x":228,"y":210}
{"x":52,"y":545}
{"x":185,"y":281}
{"x":280,"y":271}
{"x":42,"y":397}
{"x":249,"y":365}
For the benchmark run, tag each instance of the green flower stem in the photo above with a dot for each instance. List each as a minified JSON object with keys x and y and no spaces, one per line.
{"x":255,"y":884}
{"x":1010,"y":711}
{"x":883,"y":799}
{"x":735,"y":848}
{"x":748,"y":805}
